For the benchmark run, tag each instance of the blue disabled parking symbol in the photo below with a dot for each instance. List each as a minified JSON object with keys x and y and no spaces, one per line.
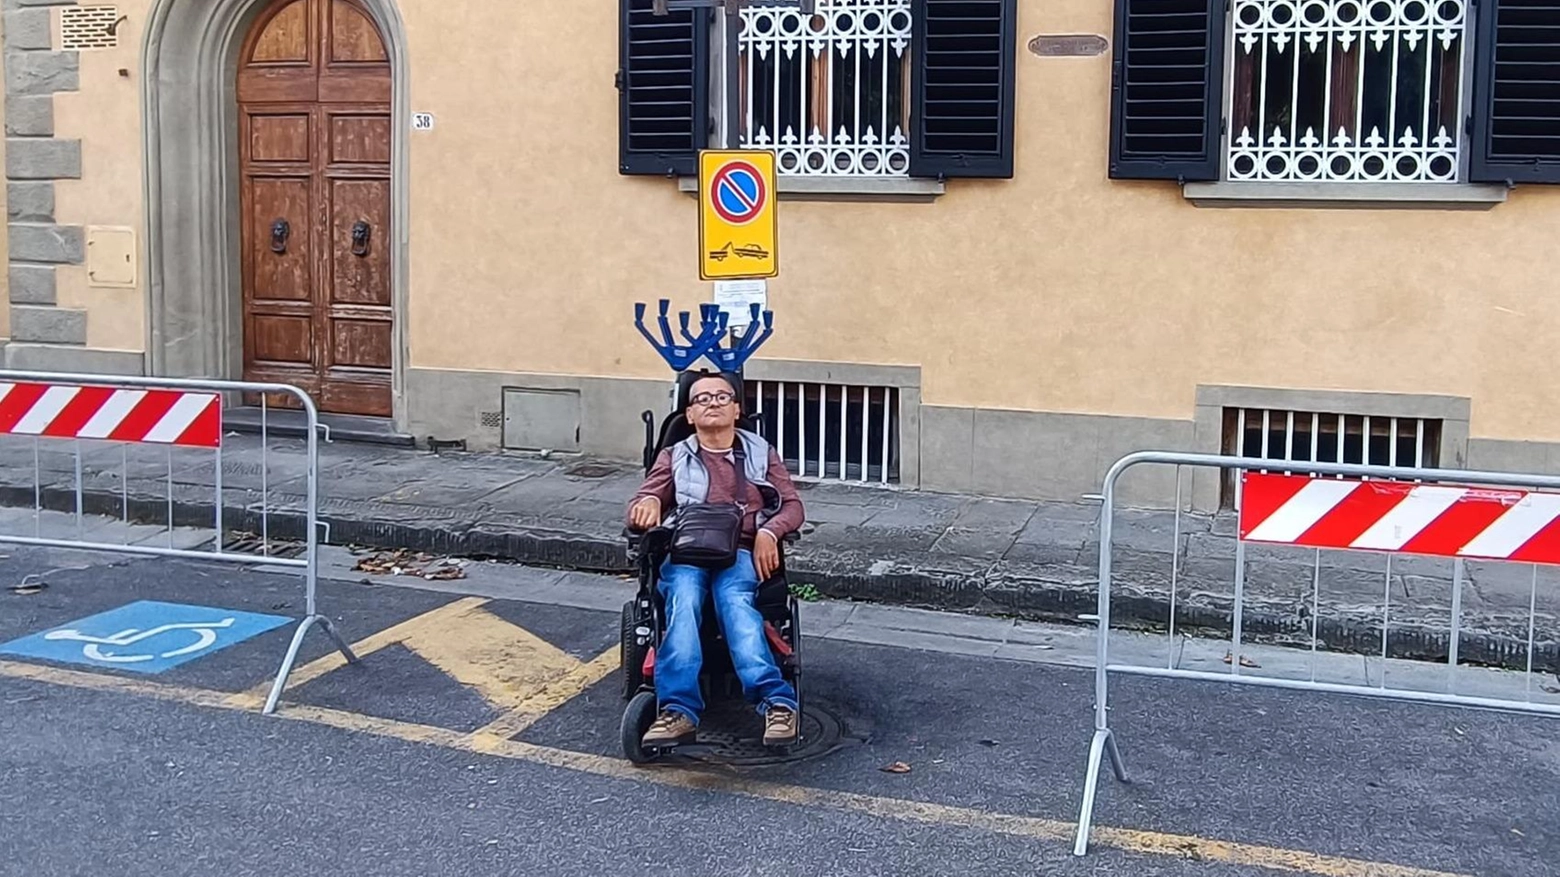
{"x":146,"y":636}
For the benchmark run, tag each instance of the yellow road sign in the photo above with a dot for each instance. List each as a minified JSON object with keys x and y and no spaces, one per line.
{"x":737,"y":215}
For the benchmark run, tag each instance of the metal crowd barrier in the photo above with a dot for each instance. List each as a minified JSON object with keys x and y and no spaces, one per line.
{"x":93,"y":413}
{"x":1441,"y":515}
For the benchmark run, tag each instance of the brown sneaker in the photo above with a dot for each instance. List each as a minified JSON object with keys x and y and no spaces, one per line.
{"x":670,"y":729}
{"x":779,"y":726}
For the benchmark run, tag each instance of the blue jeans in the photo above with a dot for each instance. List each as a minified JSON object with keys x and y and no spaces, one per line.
{"x":677,"y":662}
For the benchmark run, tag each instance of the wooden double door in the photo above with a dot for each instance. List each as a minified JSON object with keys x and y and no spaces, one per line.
{"x":314,"y":115}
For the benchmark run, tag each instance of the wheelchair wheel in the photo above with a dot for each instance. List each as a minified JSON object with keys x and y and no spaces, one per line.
{"x":637,"y":719}
{"x":631,"y":653}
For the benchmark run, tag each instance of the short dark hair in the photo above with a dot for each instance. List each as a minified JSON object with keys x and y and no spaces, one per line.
{"x":730,"y":381}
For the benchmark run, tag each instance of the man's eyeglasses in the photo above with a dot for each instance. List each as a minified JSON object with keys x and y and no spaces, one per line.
{"x":707,"y":399}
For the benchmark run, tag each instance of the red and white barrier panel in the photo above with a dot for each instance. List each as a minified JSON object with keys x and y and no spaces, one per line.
{"x":168,"y":417}
{"x":1477,"y":522}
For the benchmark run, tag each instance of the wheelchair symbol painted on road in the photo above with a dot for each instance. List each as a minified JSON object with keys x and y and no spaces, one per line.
{"x":205,"y":636}
{"x":147,"y":636}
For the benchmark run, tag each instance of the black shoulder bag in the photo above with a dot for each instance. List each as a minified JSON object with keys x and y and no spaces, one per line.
{"x":709,"y":534}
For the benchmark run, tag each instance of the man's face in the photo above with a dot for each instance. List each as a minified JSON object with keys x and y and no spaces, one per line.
{"x":712,"y":404}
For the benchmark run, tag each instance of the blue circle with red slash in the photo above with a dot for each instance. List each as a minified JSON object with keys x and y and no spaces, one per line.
{"x":738,"y":193}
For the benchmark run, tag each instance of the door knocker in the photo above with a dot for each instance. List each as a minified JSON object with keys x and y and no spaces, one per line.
{"x":279,"y":231}
{"x":360,"y":233}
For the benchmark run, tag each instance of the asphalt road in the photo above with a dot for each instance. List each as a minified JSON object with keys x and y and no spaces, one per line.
{"x":383,"y":768}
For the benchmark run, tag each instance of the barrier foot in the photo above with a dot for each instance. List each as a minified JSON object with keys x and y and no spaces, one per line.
{"x":292,"y":657}
{"x":1103,"y":742}
{"x":341,"y":644}
{"x":1115,"y":758}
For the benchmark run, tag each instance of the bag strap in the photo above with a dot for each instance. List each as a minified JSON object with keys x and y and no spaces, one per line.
{"x":739,"y":458}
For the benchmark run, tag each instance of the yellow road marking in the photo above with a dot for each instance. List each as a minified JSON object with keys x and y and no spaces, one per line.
{"x":367,"y":646}
{"x":551,"y":696}
{"x":503,"y":662}
{"x":507,"y":665}
{"x":485,"y":743}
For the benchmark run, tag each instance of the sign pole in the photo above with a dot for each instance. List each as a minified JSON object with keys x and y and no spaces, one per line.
{"x":730,"y":25}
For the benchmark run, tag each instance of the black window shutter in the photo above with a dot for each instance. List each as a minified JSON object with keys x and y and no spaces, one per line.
{"x":1516,"y":93}
{"x":1165,"y":93}
{"x":663,"y":89}
{"x":961,"y":88}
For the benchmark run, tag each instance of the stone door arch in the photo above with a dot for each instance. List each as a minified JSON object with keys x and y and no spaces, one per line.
{"x":192,"y":179}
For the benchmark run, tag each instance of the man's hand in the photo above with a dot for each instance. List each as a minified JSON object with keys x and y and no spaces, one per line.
{"x":645,"y":514}
{"x":766,"y":554}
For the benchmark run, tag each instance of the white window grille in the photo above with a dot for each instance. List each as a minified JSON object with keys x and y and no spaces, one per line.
{"x":1347,"y":90}
{"x":1313,"y":436}
{"x":829,"y":92}
{"x":840,"y":432}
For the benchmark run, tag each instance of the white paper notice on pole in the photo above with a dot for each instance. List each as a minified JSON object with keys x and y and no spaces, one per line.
{"x":737,"y":297}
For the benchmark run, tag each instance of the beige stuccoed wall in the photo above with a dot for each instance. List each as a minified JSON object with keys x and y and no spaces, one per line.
{"x":106,"y":115}
{"x":1058,"y":290}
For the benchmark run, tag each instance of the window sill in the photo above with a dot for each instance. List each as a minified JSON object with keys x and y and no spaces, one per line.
{"x":1386,"y":196}
{"x":845,"y":188}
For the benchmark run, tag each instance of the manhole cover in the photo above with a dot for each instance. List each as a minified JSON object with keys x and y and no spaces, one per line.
{"x":732,"y":733}
{"x":590,"y":470}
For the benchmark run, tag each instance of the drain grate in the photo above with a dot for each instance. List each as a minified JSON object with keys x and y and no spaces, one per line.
{"x":251,"y":543}
{"x":732,"y":733}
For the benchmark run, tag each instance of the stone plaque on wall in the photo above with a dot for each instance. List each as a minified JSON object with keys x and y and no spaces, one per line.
{"x":1068,"y":45}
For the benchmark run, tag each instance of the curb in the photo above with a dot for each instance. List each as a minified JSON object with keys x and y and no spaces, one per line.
{"x":839,"y":576}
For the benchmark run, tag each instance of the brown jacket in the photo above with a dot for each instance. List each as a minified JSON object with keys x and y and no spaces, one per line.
{"x":723,"y":484}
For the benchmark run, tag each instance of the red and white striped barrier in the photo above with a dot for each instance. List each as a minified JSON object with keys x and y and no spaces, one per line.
{"x":1475,"y":522}
{"x":169,"y":417}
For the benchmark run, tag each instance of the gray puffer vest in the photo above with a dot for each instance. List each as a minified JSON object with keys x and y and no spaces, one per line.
{"x":691,"y":480}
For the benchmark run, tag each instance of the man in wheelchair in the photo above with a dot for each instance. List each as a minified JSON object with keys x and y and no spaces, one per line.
{"x":719,"y":464}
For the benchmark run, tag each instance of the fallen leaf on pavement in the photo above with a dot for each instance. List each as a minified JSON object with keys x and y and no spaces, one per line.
{"x":896,"y":767}
{"x":403,"y":562}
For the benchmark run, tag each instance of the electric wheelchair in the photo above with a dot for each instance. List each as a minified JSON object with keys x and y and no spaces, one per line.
{"x":644,"y":621}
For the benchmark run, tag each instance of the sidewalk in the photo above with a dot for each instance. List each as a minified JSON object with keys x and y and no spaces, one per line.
{"x":1035,"y":560}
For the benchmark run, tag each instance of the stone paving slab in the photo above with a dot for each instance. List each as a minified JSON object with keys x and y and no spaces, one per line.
{"x":1034,"y":560}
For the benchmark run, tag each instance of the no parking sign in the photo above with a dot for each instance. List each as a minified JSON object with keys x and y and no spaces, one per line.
{"x":737,"y":215}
